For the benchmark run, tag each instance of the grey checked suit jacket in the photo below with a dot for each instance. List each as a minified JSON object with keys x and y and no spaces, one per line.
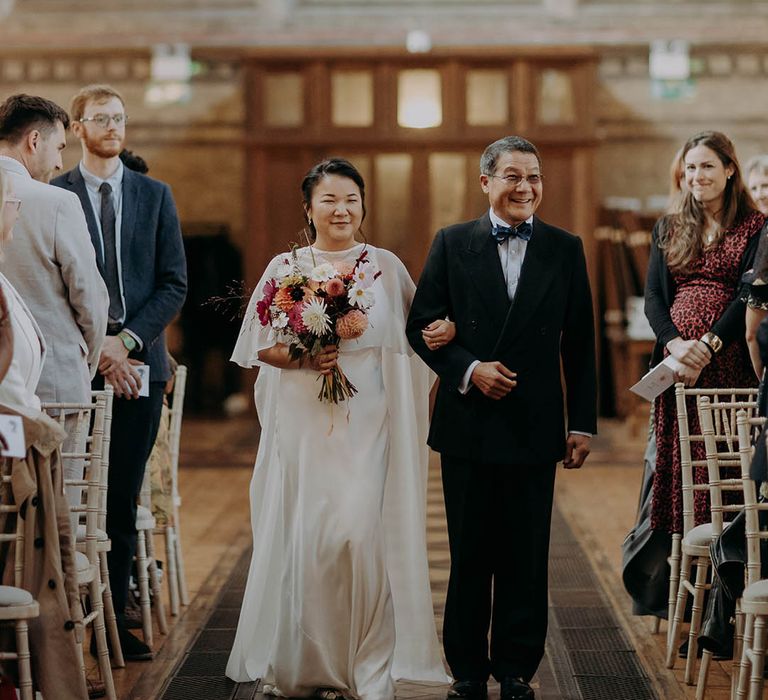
{"x":52,"y":265}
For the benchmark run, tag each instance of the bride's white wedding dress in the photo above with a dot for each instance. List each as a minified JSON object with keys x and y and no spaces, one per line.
{"x":338,"y":589}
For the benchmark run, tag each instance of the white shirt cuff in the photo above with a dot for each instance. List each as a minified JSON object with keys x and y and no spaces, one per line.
{"x":579,"y":432}
{"x":465,"y":385}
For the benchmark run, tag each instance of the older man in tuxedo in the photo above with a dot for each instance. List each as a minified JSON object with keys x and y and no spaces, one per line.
{"x":135,"y":232}
{"x":518,"y":291}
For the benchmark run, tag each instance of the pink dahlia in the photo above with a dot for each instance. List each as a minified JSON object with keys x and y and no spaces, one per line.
{"x":335,"y":287}
{"x":294,"y":318}
{"x":269,"y":291}
{"x":351,"y":325}
{"x":262,"y":310}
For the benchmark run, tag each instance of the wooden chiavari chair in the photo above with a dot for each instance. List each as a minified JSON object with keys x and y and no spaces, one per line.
{"x":691,"y":547}
{"x":94,"y":417}
{"x":17,"y":605}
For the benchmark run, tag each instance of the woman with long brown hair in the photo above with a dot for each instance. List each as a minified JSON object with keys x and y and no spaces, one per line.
{"x":692,"y":300}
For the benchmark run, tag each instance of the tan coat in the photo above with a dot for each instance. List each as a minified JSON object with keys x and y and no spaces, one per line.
{"x":49,"y":560}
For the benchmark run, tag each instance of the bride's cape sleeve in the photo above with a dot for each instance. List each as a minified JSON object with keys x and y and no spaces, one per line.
{"x":407,"y":381}
{"x":258,"y":618}
{"x":253,"y":336}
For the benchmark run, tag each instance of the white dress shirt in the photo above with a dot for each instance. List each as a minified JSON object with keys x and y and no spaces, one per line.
{"x":17,"y":389}
{"x":92,"y":184}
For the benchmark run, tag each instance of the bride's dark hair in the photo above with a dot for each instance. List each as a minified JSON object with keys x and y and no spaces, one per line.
{"x":331,"y":166}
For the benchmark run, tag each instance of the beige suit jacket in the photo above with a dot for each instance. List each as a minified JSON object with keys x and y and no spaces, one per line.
{"x":52,"y":265}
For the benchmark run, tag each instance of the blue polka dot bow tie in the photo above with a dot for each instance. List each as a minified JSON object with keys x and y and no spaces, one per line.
{"x":501,"y":233}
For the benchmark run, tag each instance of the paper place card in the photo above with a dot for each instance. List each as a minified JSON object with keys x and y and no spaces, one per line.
{"x":659,"y":379}
{"x":12,"y":430}
{"x":143,"y":371}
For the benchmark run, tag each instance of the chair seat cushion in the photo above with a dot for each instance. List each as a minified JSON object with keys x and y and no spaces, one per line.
{"x":82,"y":563}
{"x":757,"y":592}
{"x":144,"y":519}
{"x":10,"y":595}
{"x":101,"y":535}
{"x":699,"y":536}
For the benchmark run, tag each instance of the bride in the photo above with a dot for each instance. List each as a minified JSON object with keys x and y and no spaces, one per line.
{"x":337,"y":602}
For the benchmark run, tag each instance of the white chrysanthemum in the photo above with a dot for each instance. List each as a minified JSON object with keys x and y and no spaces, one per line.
{"x":361,"y":297}
{"x":323,"y":272}
{"x":315,"y":318}
{"x":280,"y":321}
{"x":364,"y":276}
{"x":284,"y":268}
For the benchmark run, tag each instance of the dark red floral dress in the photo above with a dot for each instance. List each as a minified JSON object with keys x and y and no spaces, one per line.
{"x":701,"y":297}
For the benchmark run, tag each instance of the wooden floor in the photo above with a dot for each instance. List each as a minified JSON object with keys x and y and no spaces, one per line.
{"x":598,"y":502}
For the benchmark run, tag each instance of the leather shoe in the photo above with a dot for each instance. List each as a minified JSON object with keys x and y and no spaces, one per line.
{"x":472,"y":690}
{"x":515,"y":689}
{"x":133,"y":648}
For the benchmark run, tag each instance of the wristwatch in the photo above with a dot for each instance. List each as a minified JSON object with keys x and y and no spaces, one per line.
{"x":128,"y":340}
{"x":712,"y":341}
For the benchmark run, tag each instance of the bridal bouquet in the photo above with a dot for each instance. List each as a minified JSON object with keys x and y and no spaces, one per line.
{"x":312,"y":309}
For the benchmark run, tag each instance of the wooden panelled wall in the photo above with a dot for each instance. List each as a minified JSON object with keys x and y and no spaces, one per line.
{"x":304,"y":106}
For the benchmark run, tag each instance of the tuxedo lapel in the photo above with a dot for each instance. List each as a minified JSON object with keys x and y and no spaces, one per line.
{"x":129,"y":217}
{"x":536,"y":276}
{"x":482,"y":260}
{"x":77,"y":184}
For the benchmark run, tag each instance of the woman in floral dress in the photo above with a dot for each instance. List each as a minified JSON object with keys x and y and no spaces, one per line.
{"x":692,"y":300}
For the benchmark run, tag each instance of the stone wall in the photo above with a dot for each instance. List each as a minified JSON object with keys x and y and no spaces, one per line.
{"x":197,"y":146}
{"x":640,"y":134}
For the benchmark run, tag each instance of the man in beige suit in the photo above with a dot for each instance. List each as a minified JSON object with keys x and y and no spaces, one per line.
{"x":51,"y":261}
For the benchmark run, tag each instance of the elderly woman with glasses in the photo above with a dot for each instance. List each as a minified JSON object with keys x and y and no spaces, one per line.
{"x":757,"y":278}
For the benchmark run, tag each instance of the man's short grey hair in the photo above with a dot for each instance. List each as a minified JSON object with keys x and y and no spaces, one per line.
{"x":758,"y":163}
{"x":508,"y":144}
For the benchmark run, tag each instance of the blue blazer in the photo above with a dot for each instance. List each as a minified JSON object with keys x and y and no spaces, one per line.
{"x":152,"y":256}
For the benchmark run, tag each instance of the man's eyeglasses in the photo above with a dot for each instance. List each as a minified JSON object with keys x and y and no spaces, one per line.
{"x":13,"y":202}
{"x":513,"y":180}
{"x":103,"y":120}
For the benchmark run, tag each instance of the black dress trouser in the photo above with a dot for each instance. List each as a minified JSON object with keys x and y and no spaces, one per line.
{"x":134,"y":429}
{"x":498,"y":528}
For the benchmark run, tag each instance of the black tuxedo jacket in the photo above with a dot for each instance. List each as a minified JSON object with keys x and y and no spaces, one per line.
{"x":550,"y":320}
{"x":154,"y":267}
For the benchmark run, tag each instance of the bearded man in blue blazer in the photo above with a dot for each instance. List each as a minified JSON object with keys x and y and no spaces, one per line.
{"x":135,"y":232}
{"x":518,"y":291}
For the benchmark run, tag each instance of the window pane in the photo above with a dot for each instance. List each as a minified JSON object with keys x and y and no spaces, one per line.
{"x":392,"y":200}
{"x":487,"y":98}
{"x":556,"y":104}
{"x":447,"y":188}
{"x":284,"y":100}
{"x":352,"y":98}
{"x":419,"y":99}
{"x":363,"y":164}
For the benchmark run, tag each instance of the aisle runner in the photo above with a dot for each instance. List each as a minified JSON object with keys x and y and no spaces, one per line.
{"x":588,"y":656}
